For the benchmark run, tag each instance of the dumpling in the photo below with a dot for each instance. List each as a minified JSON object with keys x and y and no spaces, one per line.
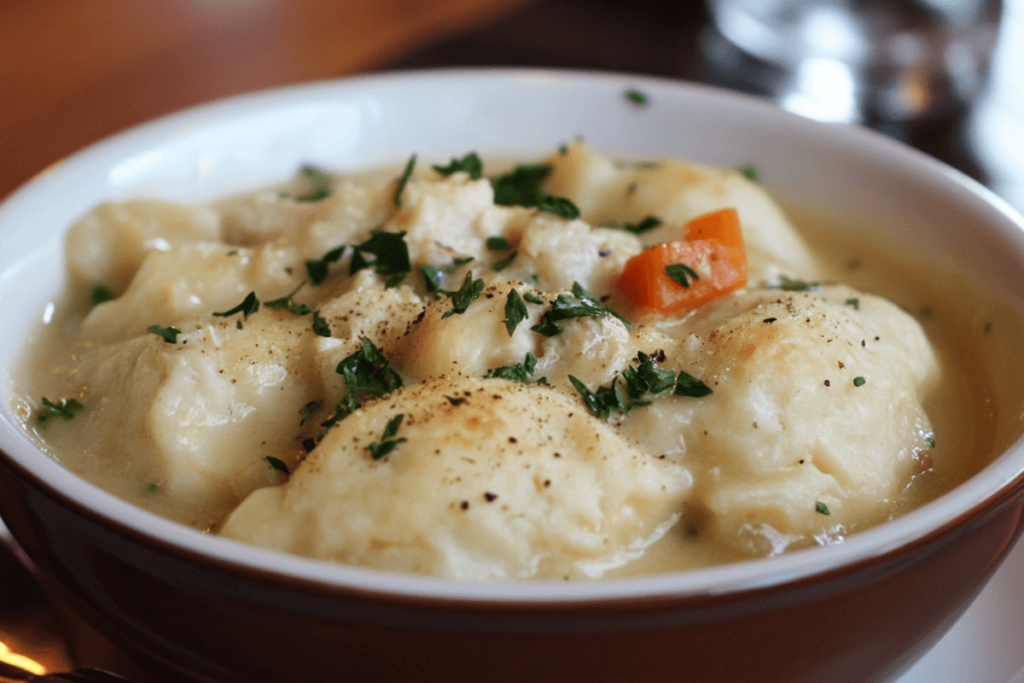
{"x":555,"y":494}
{"x":815,"y":423}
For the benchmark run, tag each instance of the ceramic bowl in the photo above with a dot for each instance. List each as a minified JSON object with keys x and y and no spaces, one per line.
{"x":201,"y":605}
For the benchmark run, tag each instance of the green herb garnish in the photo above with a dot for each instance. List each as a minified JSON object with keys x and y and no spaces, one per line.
{"x":404,"y":179}
{"x":604,"y":400}
{"x":581,"y":305}
{"x":637,"y":98}
{"x":455,"y":400}
{"x":853,"y":302}
{"x":688,"y":385}
{"x":169,"y":334}
{"x":515,"y":311}
{"x":521,"y":187}
{"x":470,"y":164}
{"x":150,"y":489}
{"x":821,"y":508}
{"x":318,"y":270}
{"x":368,"y":373}
{"x":649,"y":223}
{"x":504,"y":263}
{"x":277,"y":464}
{"x":791,"y":285}
{"x":309,"y":410}
{"x":751,"y":172}
{"x":859,"y":381}
{"x":931,"y":441}
{"x":320,"y":326}
{"x":497,"y":243}
{"x":390,"y":251}
{"x":65,"y":409}
{"x":645,"y":378}
{"x":681,"y":273}
{"x":287,"y":303}
{"x":99,"y":293}
{"x":388,"y":442}
{"x":433,"y":278}
{"x":520,"y":372}
{"x":321,"y":184}
{"x":533,"y":298}
{"x":467,"y":294}
{"x":250,"y":304}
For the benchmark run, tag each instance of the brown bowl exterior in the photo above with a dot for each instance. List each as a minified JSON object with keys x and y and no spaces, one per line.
{"x":192,"y":615}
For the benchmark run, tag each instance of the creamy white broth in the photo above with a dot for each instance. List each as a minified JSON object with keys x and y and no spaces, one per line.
{"x":957,"y":416}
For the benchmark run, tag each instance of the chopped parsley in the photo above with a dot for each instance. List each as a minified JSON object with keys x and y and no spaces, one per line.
{"x":790,"y":285}
{"x":388,"y":442}
{"x":404,"y":179}
{"x":433,"y":278}
{"x":520,"y":372}
{"x":309,"y":410}
{"x":250,"y":304}
{"x":681,"y":273}
{"x":688,"y":385}
{"x":581,"y":305}
{"x":318,"y":270}
{"x":390,"y":252}
{"x":321,"y":181}
{"x":645,"y":378}
{"x":637,"y":98}
{"x":515,"y":311}
{"x":169,"y":334}
{"x":855,"y":302}
{"x":467,"y":294}
{"x":470,"y":164}
{"x":368,"y":373}
{"x":504,"y":263}
{"x":642,"y":381}
{"x":277,"y":464}
{"x":533,"y":298}
{"x":99,"y":293}
{"x":497,"y":243}
{"x":931,"y":441}
{"x":456,"y":400}
{"x":821,"y":508}
{"x":751,"y":172}
{"x":150,"y":489}
{"x":859,"y":381}
{"x":521,"y":187}
{"x":65,"y":409}
{"x":320,"y":326}
{"x":287,"y":303}
{"x":342,"y":409}
{"x":604,"y":400}
{"x":649,"y":223}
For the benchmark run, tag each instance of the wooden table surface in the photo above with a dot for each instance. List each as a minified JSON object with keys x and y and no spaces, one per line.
{"x":75,"y":71}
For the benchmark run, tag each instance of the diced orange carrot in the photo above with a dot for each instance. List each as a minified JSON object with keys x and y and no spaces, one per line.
{"x":721,"y":226}
{"x":713,"y":249}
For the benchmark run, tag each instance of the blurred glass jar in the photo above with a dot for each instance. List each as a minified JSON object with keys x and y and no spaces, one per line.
{"x":870,"y":61}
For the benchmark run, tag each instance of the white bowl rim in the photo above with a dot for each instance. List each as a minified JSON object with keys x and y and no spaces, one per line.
{"x":1001,"y":478}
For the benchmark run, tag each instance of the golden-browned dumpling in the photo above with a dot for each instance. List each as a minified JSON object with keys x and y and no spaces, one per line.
{"x":552,"y":494}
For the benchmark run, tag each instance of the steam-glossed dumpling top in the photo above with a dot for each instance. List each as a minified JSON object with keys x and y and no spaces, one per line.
{"x":553,"y":494}
{"x":816,"y":422}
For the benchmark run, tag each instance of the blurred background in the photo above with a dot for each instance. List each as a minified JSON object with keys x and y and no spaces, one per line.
{"x":947,"y":76}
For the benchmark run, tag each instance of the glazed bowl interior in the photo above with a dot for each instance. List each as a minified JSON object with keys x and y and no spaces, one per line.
{"x":918,"y":205}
